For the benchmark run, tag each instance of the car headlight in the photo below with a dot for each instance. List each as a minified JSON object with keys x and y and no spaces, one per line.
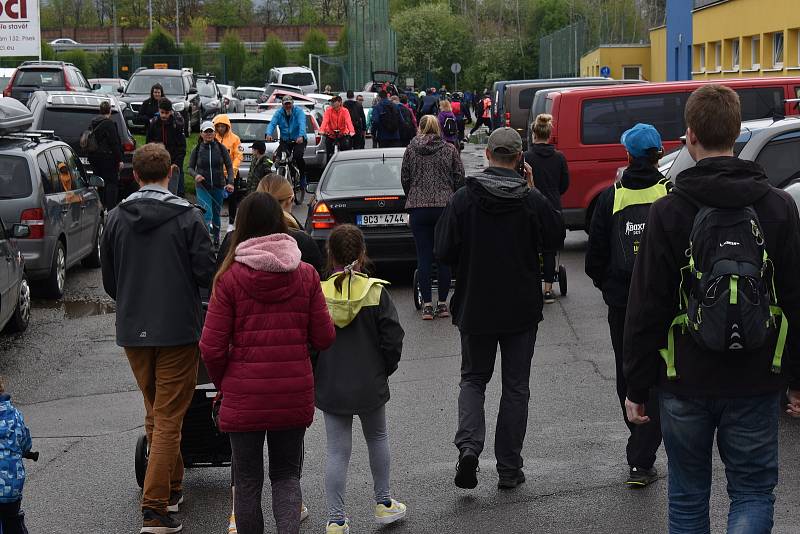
{"x":178,"y":106}
{"x":213,"y":103}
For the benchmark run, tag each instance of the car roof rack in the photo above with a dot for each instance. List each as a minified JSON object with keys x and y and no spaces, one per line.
{"x":34,"y":136}
{"x":53,"y":63}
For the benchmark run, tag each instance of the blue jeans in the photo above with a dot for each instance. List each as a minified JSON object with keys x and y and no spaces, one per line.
{"x":211,"y":201}
{"x":747,"y":439}
{"x":423,"y":224}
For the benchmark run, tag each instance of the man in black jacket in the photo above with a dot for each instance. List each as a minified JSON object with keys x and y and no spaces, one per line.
{"x":358,"y":119}
{"x":617,"y":225}
{"x":156,"y":254}
{"x":106,"y":162}
{"x":491,"y":231}
{"x":167,"y":129}
{"x":731,"y":393}
{"x":149,"y":108}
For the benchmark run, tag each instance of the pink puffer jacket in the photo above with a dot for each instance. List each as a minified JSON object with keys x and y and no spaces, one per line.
{"x":264,"y":313}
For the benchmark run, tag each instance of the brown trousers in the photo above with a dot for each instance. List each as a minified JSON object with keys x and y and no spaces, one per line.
{"x":167,"y":377}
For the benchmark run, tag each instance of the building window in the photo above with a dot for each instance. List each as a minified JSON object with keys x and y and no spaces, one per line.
{"x":701,"y":52}
{"x":632,"y":72}
{"x":735,"y":53}
{"x":755,"y":52}
{"x":777,"y":50}
{"x":718,"y":56}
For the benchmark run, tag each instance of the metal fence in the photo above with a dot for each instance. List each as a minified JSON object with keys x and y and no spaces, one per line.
{"x":560,"y":52}
{"x":372,"y":44}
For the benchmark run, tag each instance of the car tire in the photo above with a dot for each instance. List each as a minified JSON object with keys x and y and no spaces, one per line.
{"x":22,"y":313}
{"x":53,"y":285}
{"x":93,"y":259}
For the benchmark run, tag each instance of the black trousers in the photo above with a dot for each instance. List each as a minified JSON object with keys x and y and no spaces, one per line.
{"x":330,"y":145}
{"x":480,"y":121}
{"x":644,"y":439}
{"x":359,"y":141}
{"x":108,"y":170}
{"x":478,"y":354}
{"x":298,"y":151}
{"x":12,"y":518}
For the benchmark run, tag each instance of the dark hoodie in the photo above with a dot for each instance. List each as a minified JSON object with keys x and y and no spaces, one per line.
{"x":550,"y":172}
{"x":491,"y":233}
{"x":149,"y":107}
{"x":640,"y":174}
{"x":431,"y":172}
{"x":722,"y":182}
{"x":156,"y":254}
{"x":109,"y":145}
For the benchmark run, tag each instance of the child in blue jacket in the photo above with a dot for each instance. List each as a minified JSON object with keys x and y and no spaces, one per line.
{"x":15,"y":440}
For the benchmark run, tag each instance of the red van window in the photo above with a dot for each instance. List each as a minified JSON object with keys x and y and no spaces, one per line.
{"x":605,"y":119}
{"x":761,"y":103}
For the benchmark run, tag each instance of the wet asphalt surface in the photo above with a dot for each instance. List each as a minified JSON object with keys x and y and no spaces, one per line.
{"x":77,"y":393}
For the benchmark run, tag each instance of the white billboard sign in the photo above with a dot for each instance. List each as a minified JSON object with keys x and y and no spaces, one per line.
{"x":19,"y":28}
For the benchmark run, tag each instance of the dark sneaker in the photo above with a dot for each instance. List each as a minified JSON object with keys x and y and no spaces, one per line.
{"x":428,"y":312}
{"x":640,"y":477}
{"x":466,"y":470}
{"x":175,"y":500}
{"x":549,"y":297}
{"x":442,"y":310}
{"x":155,"y":523}
{"x":511,"y":480}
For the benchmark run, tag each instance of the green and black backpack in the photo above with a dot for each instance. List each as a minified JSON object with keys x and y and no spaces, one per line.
{"x":728,"y":301}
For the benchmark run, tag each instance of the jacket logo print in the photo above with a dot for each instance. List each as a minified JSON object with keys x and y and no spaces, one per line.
{"x":634,"y":228}
{"x":729,"y":244}
{"x":143,"y":334}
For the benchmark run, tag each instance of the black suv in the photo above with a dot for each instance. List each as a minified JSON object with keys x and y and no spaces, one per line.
{"x":68,"y":115}
{"x":34,"y":76}
{"x":179,"y":87}
{"x":210,"y":96}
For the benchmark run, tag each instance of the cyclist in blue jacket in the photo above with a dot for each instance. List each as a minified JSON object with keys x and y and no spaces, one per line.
{"x":291,"y":120}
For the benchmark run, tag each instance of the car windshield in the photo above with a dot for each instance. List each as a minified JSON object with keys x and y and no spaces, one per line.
{"x":363,"y":175}
{"x":246,"y":94}
{"x":249,"y":131}
{"x":41,"y":78}
{"x":298,"y":78}
{"x":15,"y":179}
{"x":142,"y":83}
{"x":107,"y":88}
{"x":206,"y":88}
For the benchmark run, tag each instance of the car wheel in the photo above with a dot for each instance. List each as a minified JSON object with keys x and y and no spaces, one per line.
{"x":53,"y":285}
{"x":93,"y":259}
{"x":22,"y":313}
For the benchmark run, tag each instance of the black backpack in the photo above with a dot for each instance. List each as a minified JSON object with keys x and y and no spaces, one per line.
{"x":728,"y":300}
{"x":628,"y":220}
{"x":88,"y":140}
{"x":450,"y":127}
{"x":407,"y":130}
{"x":390,"y":118}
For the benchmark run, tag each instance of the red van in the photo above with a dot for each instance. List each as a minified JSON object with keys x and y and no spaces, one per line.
{"x":588,"y":124}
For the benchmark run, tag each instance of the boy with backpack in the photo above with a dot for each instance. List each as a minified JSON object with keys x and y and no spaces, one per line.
{"x":715,"y":281}
{"x":615,"y":235}
{"x":386,"y":122}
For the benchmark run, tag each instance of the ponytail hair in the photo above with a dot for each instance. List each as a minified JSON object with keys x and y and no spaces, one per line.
{"x":347,"y":251}
{"x":543,"y":127}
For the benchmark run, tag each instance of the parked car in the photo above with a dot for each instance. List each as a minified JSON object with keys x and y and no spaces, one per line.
{"x":34,"y":76}
{"x":362,"y":187}
{"x":252,"y":127}
{"x":588,"y":124}
{"x":302,"y":77}
{"x":178,"y":86}
{"x":5,"y":76}
{"x":230,"y":102}
{"x":108,"y":86}
{"x":272,"y":87}
{"x":499,"y":88}
{"x":64,"y":41}
{"x":46,"y":188}
{"x":210,"y":97}
{"x":68,"y":115}
{"x":250,"y":97}
{"x":381,"y":78}
{"x":15,"y":294}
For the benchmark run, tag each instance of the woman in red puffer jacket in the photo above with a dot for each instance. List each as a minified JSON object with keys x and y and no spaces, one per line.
{"x":266,"y":308}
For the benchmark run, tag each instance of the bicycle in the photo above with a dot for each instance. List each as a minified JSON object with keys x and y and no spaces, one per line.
{"x":340,"y":142}
{"x":284,"y":166}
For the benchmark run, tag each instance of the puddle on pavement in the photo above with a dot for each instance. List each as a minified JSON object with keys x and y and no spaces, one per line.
{"x":77,"y":309}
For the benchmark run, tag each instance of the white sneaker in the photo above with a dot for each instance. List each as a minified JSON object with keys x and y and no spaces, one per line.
{"x":389,"y":514}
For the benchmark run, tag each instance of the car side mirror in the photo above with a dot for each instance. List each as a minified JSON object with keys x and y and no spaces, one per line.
{"x":120,"y":90}
{"x":96,"y":87}
{"x":193,"y":90}
{"x":20,"y":231}
{"x":311,"y":188}
{"x":96,"y":181}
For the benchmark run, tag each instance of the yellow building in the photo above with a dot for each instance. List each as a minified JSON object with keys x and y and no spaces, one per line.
{"x":746,"y":38}
{"x":658,"y":54}
{"x":626,"y":61}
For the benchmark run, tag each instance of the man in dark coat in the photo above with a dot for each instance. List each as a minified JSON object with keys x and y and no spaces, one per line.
{"x":149,"y":107}
{"x":168,"y":129}
{"x":106,"y":161}
{"x":357,"y":117}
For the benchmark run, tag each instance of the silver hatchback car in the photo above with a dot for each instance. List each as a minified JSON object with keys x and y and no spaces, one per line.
{"x":15,"y":295}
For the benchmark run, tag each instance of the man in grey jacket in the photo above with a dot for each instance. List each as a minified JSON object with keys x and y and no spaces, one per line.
{"x":156,"y":254}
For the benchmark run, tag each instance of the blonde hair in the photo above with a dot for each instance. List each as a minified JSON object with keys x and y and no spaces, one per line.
{"x":543,"y":127}
{"x":444,"y":105}
{"x":429,"y":124}
{"x":281,"y":190}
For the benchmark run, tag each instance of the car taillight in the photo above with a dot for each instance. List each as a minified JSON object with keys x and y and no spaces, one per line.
{"x":33,"y":219}
{"x":316,"y":138}
{"x":7,"y":90}
{"x":67,"y":86}
{"x":129,"y":145}
{"x":508,"y":119}
{"x":322,"y":218}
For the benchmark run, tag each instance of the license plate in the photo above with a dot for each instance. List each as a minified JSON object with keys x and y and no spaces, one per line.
{"x":247,"y":157}
{"x":383,"y":219}
{"x":85,"y":161}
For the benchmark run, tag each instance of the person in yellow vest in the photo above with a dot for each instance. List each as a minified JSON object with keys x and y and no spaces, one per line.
{"x":616,"y":229}
{"x":231,"y":141}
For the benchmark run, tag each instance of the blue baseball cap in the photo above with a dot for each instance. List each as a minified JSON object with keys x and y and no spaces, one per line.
{"x":641,"y":138}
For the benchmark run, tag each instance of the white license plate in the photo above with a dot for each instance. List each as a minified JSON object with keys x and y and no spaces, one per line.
{"x":383,"y":219}
{"x":85,"y":161}
{"x":247,"y":157}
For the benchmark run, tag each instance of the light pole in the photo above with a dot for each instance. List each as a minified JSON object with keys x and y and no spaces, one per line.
{"x":178,"y":21}
{"x":150,"y":11}
{"x":115,"y":61}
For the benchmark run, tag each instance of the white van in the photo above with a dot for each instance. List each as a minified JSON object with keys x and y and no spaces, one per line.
{"x":302,"y":77}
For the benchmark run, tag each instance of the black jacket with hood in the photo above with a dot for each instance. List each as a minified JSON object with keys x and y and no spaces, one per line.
{"x":170,"y":134}
{"x":721,"y":182}
{"x":155,"y":255}
{"x":550,"y":172}
{"x":208,"y":160}
{"x":109,"y":144}
{"x":492,"y":232}
{"x":357,"y":116}
{"x":149,"y":107}
{"x":614,"y":284}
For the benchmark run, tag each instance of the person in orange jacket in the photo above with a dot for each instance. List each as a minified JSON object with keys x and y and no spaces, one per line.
{"x":337,"y":126}
{"x":231,"y":141}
